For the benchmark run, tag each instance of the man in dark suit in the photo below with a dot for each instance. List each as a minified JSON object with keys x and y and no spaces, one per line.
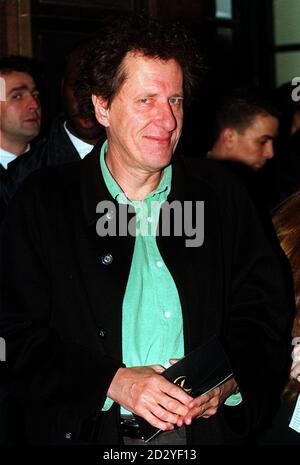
{"x":20,"y":116}
{"x":245,"y":128}
{"x":246,"y":125}
{"x":102,"y":287}
{"x":72,"y":135}
{"x":20,"y":123}
{"x":70,"y":138}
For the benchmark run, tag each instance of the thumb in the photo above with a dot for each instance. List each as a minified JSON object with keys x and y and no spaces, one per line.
{"x":173,"y":360}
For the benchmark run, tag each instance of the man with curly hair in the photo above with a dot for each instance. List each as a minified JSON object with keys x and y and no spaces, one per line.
{"x":91,"y":314}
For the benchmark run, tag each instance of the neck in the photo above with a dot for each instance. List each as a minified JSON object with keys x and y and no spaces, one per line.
{"x":15,"y":147}
{"x":136,"y":184}
{"x":85,"y":139}
{"x":218,"y":152}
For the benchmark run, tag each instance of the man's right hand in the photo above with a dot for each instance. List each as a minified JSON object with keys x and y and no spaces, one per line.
{"x":147,"y":394}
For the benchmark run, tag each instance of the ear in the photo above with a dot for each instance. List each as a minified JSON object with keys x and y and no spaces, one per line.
{"x":229,"y":137}
{"x":101,"y":110}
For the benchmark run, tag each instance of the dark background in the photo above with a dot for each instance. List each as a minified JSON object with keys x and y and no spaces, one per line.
{"x":239,"y":51}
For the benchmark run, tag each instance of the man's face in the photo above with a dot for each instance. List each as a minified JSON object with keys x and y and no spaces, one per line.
{"x":254,"y":147}
{"x":20,"y":113}
{"x":87,"y":129}
{"x":144,"y":120}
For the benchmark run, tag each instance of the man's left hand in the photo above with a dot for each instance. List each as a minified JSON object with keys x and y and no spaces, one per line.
{"x":207,"y":404}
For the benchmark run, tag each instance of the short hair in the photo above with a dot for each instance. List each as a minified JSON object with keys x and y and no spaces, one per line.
{"x":239,"y":109}
{"x":101,"y":71}
{"x":22,"y":64}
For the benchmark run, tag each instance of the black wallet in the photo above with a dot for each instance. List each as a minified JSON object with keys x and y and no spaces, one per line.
{"x":200,"y":371}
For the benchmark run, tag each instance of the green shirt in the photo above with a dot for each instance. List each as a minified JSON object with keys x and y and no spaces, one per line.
{"x":152,"y":325}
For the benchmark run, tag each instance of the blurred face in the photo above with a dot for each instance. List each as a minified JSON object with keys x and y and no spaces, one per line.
{"x":144,"y":120}
{"x":86,"y":129}
{"x":254,"y":147}
{"x":20,"y":113}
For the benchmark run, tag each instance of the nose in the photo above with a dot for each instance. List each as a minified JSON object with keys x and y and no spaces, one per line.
{"x":166,"y":117}
{"x":269,"y":150}
{"x":33,"y":103}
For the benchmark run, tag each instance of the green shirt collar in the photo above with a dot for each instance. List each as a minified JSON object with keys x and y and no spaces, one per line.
{"x":115,"y":190}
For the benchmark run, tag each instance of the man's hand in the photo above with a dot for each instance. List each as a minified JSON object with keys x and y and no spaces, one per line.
{"x":207,"y":405}
{"x":144,"y":392}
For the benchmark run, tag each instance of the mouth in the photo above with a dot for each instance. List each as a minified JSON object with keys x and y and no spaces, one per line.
{"x":159,"y":140}
{"x":86,"y":122}
{"x":31,"y":120}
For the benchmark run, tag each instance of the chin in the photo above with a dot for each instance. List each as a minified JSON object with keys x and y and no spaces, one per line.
{"x":162,"y":160}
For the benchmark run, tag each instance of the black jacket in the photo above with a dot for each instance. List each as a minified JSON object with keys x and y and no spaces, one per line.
{"x":62,"y":306}
{"x":56,"y":150}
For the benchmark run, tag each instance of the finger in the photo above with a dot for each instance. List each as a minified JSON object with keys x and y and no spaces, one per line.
{"x":158,"y":368}
{"x":164,"y":415}
{"x":173,"y":361}
{"x":210,"y":412}
{"x":211,"y":404}
{"x":193,"y":413}
{"x":204,"y":410}
{"x":177,"y":393}
{"x":199,"y":401}
{"x":157,"y":422}
{"x":172,"y":406}
{"x":205,"y":398}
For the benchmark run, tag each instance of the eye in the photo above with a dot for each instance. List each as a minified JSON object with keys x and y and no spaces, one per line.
{"x":17,"y":96}
{"x":36,"y":96}
{"x":263,"y":141}
{"x":145,"y":100}
{"x":175,"y":100}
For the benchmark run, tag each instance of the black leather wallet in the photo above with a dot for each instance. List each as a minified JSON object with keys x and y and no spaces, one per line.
{"x":198,"y":372}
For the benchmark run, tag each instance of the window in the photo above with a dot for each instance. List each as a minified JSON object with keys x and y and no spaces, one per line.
{"x":286,"y":14}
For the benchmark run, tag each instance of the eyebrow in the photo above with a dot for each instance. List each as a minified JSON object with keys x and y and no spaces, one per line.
{"x":267,"y":136}
{"x":20,"y":88}
{"x":178,"y":95}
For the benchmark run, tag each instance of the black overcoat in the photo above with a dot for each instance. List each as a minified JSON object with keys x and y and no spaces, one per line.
{"x":61,"y":312}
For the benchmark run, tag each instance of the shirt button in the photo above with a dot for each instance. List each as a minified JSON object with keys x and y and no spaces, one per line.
{"x":107,"y":259}
{"x":149,"y":219}
{"x":159,"y":264}
{"x":168,"y":314}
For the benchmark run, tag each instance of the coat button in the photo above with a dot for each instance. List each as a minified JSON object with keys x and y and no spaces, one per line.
{"x":107,"y":259}
{"x":102,"y":333}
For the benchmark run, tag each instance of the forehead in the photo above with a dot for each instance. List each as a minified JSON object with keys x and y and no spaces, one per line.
{"x":142,"y":70}
{"x":15,"y":79}
{"x":264,"y":124}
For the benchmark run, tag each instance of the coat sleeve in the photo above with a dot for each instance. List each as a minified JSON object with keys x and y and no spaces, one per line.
{"x":44,"y":367}
{"x":260,"y":306}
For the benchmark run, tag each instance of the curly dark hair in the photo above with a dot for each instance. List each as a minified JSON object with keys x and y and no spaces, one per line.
{"x":101,"y":70}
